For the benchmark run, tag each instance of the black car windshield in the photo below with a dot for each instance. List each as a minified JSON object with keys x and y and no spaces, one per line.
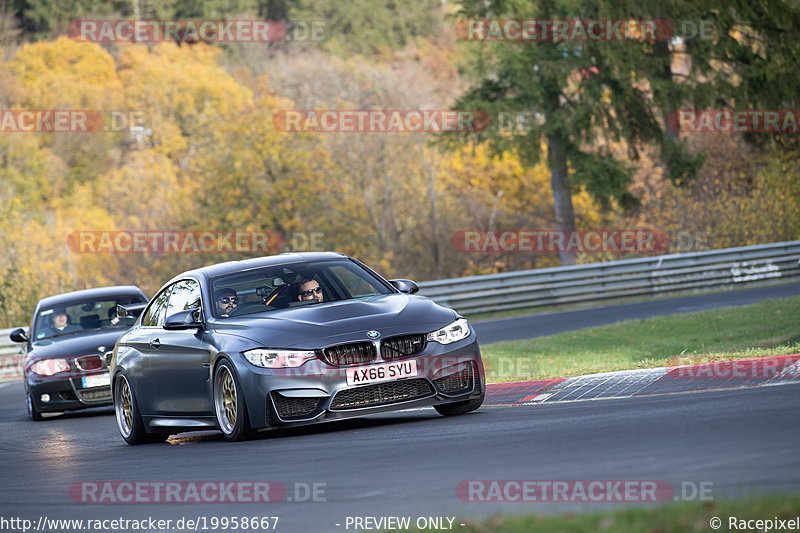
{"x":292,"y":285}
{"x":83,"y":315}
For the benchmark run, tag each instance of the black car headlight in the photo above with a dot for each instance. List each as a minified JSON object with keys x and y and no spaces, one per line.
{"x":452,"y":332}
{"x":268,"y":358}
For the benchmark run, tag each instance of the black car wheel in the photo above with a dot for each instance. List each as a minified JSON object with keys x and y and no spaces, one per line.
{"x":129,"y":420}
{"x":34,"y":413}
{"x":459,"y":408}
{"x":229,"y":404}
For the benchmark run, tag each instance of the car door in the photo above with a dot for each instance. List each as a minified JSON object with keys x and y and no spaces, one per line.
{"x":180,"y":366}
{"x":145,"y":340}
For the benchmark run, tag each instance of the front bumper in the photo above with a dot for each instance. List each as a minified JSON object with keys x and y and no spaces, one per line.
{"x":66,"y":394}
{"x":319,"y":391}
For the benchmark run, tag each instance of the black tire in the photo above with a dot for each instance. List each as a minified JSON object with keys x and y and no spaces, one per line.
{"x":459,"y":408}
{"x":129,"y":419}
{"x":33,"y":413}
{"x":229,"y":404}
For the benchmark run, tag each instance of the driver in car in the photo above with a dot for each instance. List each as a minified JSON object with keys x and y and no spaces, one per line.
{"x":226,"y":301}
{"x":310,"y":290}
{"x":61,"y":323}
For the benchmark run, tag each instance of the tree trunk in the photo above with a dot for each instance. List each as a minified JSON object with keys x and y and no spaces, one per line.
{"x":433,"y":215}
{"x":661,"y":51}
{"x":562,"y":196}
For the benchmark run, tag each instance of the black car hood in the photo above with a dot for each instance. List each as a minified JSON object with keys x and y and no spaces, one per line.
{"x":80,"y":343}
{"x":317,"y":325}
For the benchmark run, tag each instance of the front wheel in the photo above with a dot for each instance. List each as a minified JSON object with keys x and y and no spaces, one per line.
{"x":229,"y":404}
{"x":33,"y":413}
{"x":459,"y":408}
{"x":129,"y":420}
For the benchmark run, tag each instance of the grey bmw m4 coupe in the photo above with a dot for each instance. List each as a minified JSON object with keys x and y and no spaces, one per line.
{"x":293,"y":339}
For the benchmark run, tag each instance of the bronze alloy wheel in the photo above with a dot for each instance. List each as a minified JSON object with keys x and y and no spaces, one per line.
{"x":123,"y":406}
{"x":225,"y":400}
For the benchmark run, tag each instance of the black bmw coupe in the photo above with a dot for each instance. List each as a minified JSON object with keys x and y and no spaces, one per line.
{"x":65,"y":365}
{"x":286,"y":340}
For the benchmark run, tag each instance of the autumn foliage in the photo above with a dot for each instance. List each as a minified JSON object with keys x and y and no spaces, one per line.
{"x":194,"y":148}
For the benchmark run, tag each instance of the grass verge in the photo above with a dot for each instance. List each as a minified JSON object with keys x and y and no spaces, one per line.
{"x":758,"y":330}
{"x":681,"y":517}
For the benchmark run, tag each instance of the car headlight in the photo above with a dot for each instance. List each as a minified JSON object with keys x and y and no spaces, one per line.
{"x":49,"y":367}
{"x":267,"y":358}
{"x":452,"y":332}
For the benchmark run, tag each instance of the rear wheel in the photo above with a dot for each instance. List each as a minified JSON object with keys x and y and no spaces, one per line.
{"x":129,"y":420}
{"x":33,"y":413}
{"x":229,"y":404}
{"x":459,"y":408}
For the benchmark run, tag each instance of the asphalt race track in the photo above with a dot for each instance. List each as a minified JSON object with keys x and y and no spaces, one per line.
{"x":734,"y":443}
{"x":722,"y":444}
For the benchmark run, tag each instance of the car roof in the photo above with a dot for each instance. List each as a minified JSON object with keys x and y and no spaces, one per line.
{"x":259,"y":262}
{"x":97,"y":292}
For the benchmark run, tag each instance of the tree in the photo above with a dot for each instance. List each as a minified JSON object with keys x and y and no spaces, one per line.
{"x":371,"y":27}
{"x":590,"y":93}
{"x":580,"y":95}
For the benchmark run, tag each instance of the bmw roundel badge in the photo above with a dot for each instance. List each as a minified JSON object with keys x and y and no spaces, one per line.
{"x":372,"y":334}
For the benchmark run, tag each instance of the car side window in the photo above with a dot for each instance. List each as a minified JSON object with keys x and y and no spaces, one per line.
{"x":352,"y":282}
{"x":185,"y":295}
{"x":155,"y":312}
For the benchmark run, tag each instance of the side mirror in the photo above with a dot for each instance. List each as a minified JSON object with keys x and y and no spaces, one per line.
{"x":189,"y":319}
{"x":405,"y":285}
{"x":130,"y":310}
{"x":18,"y":335}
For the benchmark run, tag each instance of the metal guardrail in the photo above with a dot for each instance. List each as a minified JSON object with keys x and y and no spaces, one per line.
{"x":598,"y":282}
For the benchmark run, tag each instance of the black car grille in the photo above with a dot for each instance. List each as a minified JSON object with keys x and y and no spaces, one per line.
{"x":67,"y":395}
{"x":461,"y":381}
{"x":349,"y":354}
{"x":382,"y":394}
{"x":293,"y":408}
{"x":96,"y":394}
{"x":402,"y":346}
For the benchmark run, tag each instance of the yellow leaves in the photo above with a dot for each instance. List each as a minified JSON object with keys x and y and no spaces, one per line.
{"x":64,"y":74}
{"x":183,"y":80}
{"x":185,"y":94}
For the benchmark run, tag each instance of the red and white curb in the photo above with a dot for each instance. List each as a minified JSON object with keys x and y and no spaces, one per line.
{"x":742,"y":373}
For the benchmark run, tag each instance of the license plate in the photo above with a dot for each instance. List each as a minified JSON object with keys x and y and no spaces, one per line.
{"x":383,"y":372}
{"x":99,"y":380}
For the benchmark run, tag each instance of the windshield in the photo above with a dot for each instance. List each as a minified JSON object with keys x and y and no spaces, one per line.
{"x":292,"y":285}
{"x":83,"y":315}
